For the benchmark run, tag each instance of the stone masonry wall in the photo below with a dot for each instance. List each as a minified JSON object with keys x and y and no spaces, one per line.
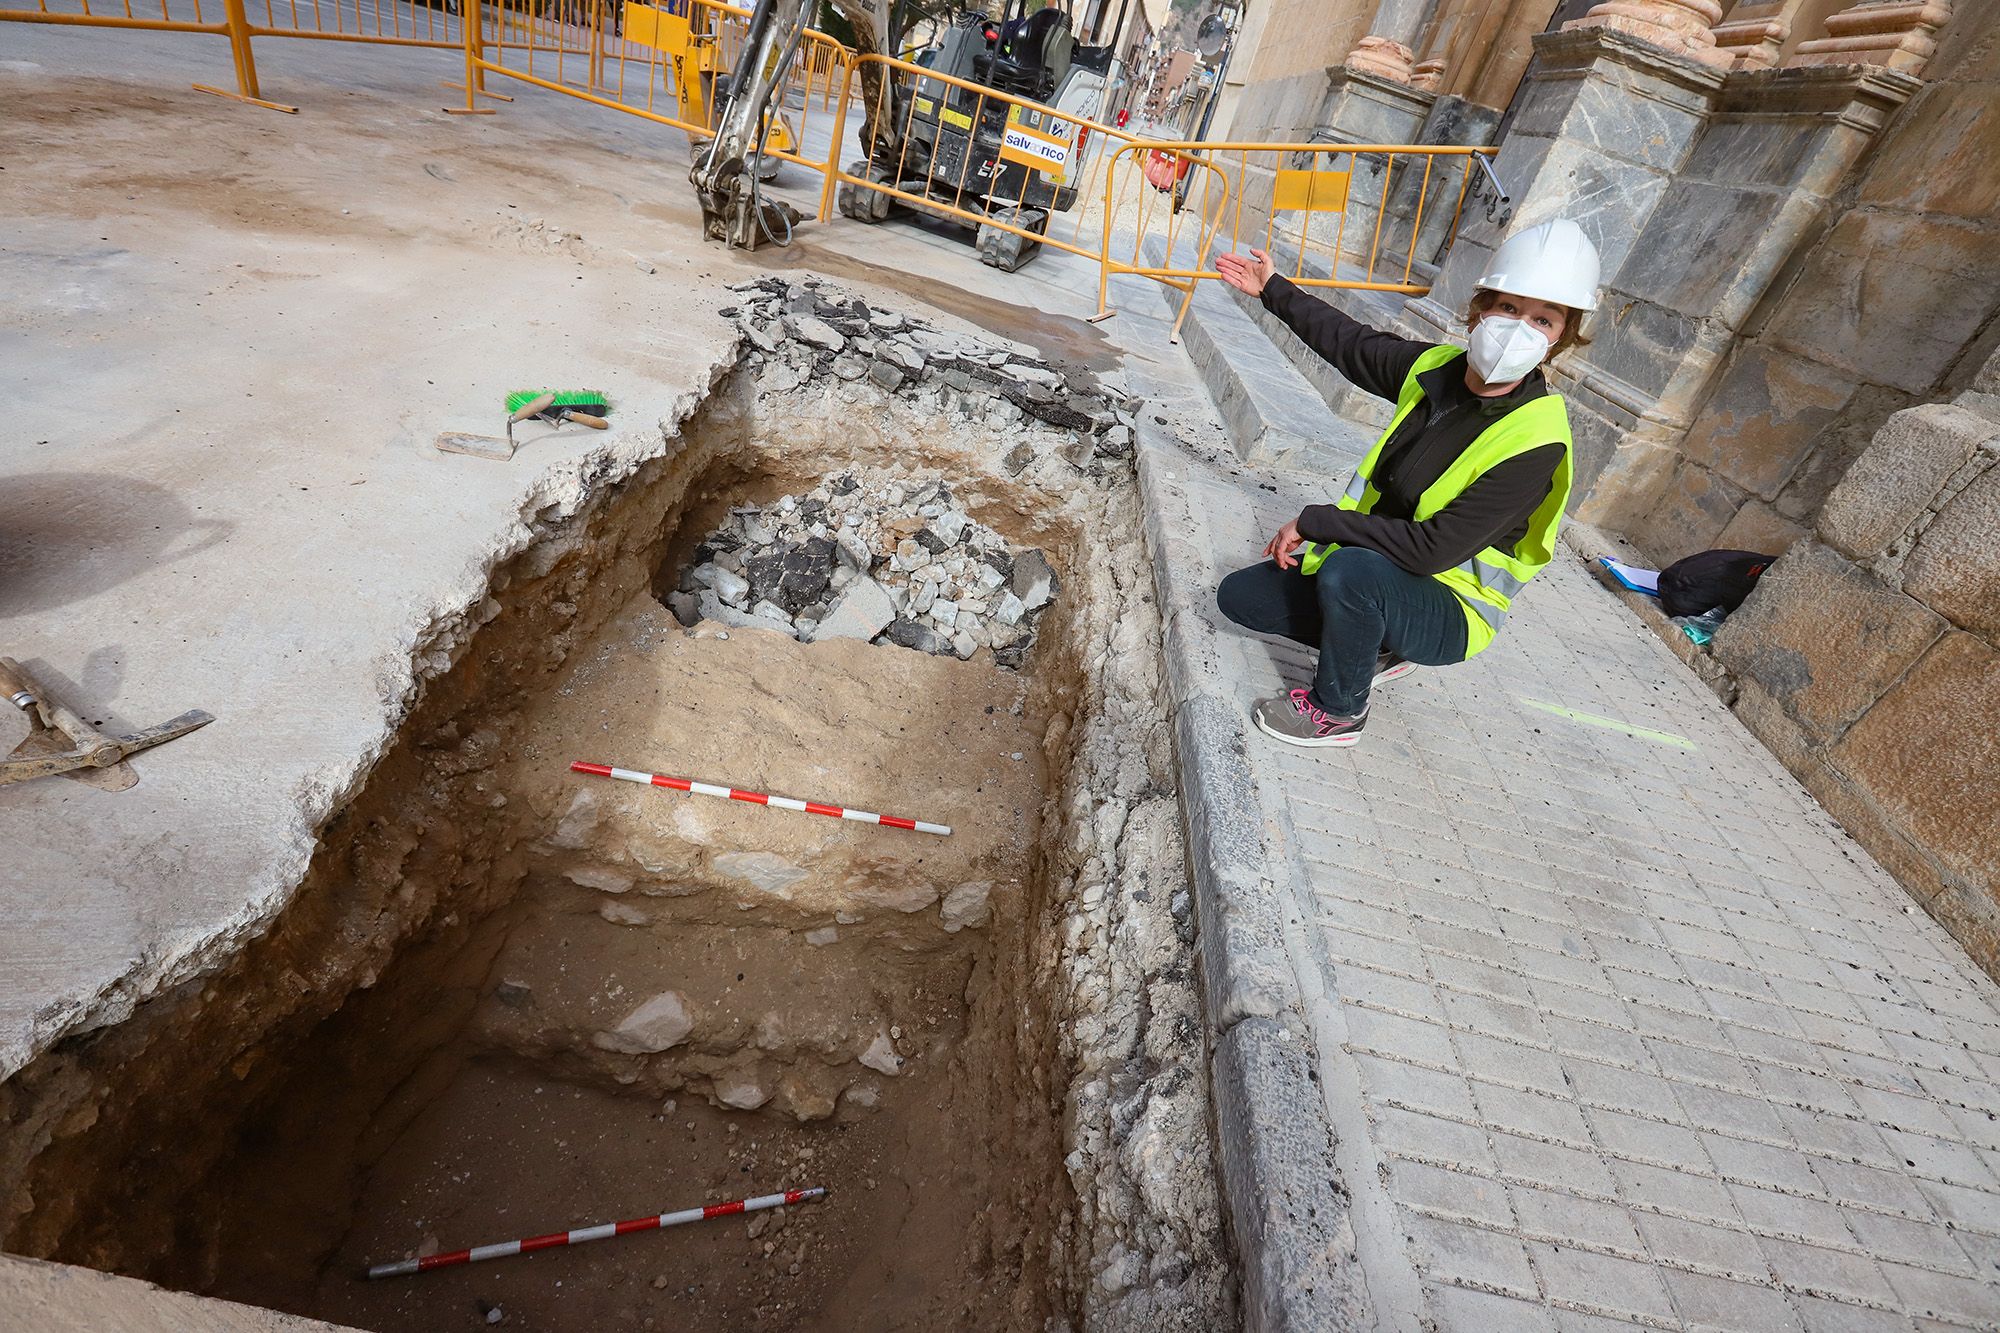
{"x":1296,"y":45}
{"x":1895,"y":301}
{"x":1868,"y":657}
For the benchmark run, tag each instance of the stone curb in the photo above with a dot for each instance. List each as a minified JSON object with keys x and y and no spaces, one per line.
{"x":1287,"y":1210}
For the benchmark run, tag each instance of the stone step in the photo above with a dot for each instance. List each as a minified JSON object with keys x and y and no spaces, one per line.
{"x":1270,"y":411}
{"x":1333,"y":388}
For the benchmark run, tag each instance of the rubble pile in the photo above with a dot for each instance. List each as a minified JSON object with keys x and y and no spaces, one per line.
{"x":804,"y":329}
{"x":874,"y":556}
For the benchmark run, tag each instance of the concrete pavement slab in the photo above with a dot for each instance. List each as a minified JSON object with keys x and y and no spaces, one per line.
{"x":62,"y":1298}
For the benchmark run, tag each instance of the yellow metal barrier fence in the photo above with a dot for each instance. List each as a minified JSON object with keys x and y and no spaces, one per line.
{"x":223,"y":18}
{"x":661,"y":62}
{"x":1320,"y":203}
{"x":1147,"y":190}
{"x":586,"y":47}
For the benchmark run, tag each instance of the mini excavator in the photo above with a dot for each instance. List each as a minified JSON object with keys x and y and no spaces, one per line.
{"x":990,"y":155}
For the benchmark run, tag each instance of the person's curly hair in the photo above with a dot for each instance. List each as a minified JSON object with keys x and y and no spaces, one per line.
{"x":1572,"y":334}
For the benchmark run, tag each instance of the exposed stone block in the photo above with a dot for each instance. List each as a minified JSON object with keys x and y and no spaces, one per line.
{"x":1727,"y":226}
{"x":1969,"y":913}
{"x":1647,"y":343}
{"x":1825,"y":639}
{"x":1603,"y":111}
{"x":1610,"y":198}
{"x":1687,"y":515}
{"x":1988,"y":378}
{"x":1931,"y":283}
{"x":1955,"y":566}
{"x":1765,"y":415}
{"x":1928,"y":756}
{"x":1599,"y":441}
{"x":1759,"y":527}
{"x":1958,"y":172}
{"x":1365,"y":109}
{"x":1828,"y":456}
{"x":1899,"y":475}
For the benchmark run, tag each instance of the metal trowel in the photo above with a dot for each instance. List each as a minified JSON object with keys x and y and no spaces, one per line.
{"x":492,"y":446}
{"x":59,"y":741}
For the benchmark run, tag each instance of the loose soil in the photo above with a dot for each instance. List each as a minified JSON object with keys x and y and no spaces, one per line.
{"x":519,"y":1124}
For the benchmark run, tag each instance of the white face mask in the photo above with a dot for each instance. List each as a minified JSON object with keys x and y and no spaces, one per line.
{"x":1503,"y":350}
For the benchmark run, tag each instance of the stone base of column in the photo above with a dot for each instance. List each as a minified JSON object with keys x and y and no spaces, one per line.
{"x":1679,"y":26}
{"x":1897,"y":34}
{"x":1382,"y":57}
{"x":1754,"y":43}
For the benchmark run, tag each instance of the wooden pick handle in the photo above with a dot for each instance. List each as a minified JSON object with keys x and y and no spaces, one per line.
{"x":585,"y":419}
{"x":16,"y":685}
{"x":533,"y":408}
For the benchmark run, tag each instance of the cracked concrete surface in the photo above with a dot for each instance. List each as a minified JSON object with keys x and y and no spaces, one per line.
{"x":180,"y":527}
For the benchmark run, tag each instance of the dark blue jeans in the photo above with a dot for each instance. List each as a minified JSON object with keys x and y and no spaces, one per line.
{"x":1359,"y":604}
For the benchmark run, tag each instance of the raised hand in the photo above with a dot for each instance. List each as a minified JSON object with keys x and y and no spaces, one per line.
{"x":1247,"y":275}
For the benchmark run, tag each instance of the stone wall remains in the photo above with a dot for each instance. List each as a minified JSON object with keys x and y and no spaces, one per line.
{"x":1868,"y":657}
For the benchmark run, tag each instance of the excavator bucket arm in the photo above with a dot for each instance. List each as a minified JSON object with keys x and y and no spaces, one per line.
{"x":724,"y":177}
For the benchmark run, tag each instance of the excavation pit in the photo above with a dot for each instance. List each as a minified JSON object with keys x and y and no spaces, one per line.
{"x":511,"y":999}
{"x":809,"y":996}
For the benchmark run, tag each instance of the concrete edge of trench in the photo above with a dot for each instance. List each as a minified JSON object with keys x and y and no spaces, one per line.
{"x":1287,"y":1207}
{"x":446,"y":618}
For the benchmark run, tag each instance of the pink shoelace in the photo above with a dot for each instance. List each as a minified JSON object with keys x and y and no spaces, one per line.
{"x":1322,"y":721}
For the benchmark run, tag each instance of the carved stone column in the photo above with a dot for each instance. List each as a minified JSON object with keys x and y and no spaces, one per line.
{"x":1756,"y":32}
{"x":1385,"y":52}
{"x":1383,"y":57}
{"x":1428,"y":75}
{"x":1898,"y":34}
{"x":1680,"y":26}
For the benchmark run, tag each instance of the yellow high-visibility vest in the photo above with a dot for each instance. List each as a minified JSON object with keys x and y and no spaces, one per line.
{"x":1486,"y":584}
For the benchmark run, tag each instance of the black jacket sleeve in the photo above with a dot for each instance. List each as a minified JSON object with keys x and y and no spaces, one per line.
{"x":1501,"y":501}
{"x":1374,"y":361}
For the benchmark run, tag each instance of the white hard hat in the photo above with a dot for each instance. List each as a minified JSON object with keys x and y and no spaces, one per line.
{"x":1551,"y":261}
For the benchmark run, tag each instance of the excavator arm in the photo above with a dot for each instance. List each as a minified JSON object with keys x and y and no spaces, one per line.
{"x":724,"y":177}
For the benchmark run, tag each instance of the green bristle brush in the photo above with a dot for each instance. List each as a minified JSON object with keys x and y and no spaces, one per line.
{"x":586,"y":407}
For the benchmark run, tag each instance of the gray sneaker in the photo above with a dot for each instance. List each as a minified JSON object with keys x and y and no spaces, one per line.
{"x":1390,"y":667}
{"x":1293,"y":719}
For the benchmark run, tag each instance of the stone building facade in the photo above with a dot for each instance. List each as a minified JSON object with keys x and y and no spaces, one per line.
{"x":1798,"y":207}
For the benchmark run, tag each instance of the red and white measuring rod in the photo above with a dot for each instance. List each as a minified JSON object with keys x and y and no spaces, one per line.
{"x":555,"y":1239}
{"x":757,"y":797}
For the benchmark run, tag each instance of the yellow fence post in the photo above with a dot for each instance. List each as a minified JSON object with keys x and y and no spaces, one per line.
{"x":472,"y":32}
{"x":238,"y":26}
{"x":831,"y":187}
{"x":596,"y":44}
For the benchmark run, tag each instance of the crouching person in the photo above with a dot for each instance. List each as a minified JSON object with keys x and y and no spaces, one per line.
{"x":1450,"y":513}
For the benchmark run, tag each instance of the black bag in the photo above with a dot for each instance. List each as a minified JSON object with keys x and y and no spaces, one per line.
{"x":1709,"y":579}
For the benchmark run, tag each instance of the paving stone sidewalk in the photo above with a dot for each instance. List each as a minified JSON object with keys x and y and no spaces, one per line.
{"x":1606,"y":1022}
